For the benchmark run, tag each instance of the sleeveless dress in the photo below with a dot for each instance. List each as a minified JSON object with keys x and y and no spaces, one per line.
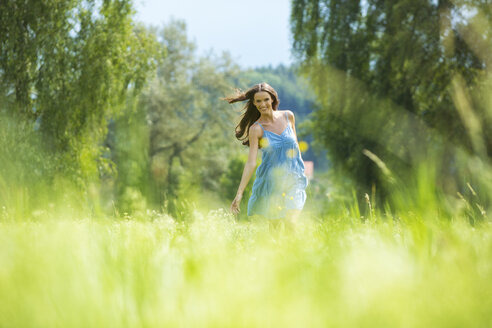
{"x":280,"y":181}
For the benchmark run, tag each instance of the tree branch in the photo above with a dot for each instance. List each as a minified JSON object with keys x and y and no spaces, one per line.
{"x":177,"y":148}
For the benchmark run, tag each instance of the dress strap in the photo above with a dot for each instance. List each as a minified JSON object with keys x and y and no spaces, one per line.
{"x":287,"y":118}
{"x":260,"y":125}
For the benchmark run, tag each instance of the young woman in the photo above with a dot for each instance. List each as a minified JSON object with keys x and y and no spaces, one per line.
{"x":280,"y":183}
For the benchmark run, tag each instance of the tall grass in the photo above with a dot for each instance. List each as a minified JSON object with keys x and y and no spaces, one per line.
{"x":213,"y":271}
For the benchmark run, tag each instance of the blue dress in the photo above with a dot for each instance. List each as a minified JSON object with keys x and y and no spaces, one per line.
{"x":280,"y":181}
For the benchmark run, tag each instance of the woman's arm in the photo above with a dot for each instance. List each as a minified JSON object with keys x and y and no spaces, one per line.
{"x":254,"y":135}
{"x":292,"y":120}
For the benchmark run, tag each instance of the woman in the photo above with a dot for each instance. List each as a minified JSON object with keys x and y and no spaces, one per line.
{"x":279,"y":187}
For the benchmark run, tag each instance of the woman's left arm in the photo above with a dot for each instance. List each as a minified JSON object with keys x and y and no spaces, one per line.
{"x":292,"y":121}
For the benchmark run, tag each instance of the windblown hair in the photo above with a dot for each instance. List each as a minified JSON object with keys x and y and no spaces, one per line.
{"x":251,"y":114}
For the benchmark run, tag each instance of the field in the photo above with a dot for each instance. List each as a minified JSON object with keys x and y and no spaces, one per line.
{"x":214,"y":271}
{"x":122,"y":145}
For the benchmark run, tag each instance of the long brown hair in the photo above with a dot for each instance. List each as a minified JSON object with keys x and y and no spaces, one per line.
{"x":251,"y":114}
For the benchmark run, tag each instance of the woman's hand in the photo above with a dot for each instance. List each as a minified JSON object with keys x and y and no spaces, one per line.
{"x":235,"y":204}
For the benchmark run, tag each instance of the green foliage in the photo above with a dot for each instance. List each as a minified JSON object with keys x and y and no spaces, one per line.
{"x":398,"y":80}
{"x":23,"y":164}
{"x":153,"y":271}
{"x":189,"y":127}
{"x":67,"y":66}
{"x":230,"y":180}
{"x":132,"y":201}
{"x":127,"y":144}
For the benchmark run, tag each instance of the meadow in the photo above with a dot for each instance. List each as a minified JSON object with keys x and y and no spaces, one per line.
{"x":211,"y":270}
{"x":118,"y":161}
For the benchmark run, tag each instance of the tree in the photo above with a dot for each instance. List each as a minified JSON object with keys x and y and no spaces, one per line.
{"x":385,"y":74}
{"x":66,"y":67}
{"x":190,"y":130}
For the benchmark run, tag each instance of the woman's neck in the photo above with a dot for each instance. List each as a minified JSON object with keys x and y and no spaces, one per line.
{"x":267,"y":117}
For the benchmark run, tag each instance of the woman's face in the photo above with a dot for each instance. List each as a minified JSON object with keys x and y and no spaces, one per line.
{"x":263,"y":101}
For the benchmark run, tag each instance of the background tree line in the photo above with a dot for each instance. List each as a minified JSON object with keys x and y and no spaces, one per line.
{"x":129,"y":117}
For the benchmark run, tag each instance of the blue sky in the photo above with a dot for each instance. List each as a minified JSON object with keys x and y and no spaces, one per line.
{"x":255,"y":32}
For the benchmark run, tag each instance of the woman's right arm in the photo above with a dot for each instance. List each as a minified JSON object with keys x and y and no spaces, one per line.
{"x":254,"y":136}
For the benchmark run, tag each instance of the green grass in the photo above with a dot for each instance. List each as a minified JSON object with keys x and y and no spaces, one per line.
{"x":212,"y":271}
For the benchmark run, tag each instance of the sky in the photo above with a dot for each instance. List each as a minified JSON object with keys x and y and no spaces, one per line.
{"x":255,"y":32}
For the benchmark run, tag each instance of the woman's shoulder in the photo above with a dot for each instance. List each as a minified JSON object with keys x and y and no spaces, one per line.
{"x":255,"y":128}
{"x":288,"y":112}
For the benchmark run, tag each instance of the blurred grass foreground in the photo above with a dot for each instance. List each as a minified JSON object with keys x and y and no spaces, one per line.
{"x":214,"y":271}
